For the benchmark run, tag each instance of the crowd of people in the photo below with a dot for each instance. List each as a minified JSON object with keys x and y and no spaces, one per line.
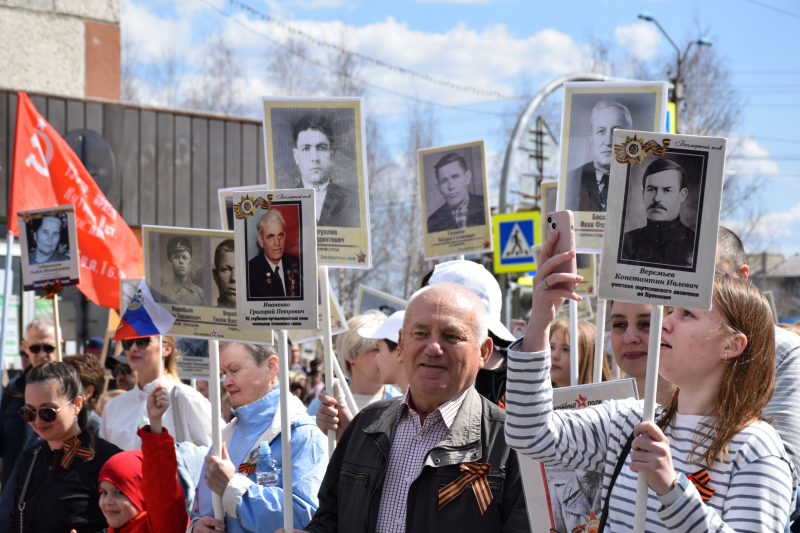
{"x":446,"y":400}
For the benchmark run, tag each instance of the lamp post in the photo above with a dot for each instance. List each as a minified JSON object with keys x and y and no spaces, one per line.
{"x":677,"y":82}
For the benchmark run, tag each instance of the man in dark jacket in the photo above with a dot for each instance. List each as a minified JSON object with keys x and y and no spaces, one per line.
{"x":461,"y":209}
{"x":273,"y":273}
{"x":587,"y":185}
{"x":434,"y":459}
{"x":665,"y":240}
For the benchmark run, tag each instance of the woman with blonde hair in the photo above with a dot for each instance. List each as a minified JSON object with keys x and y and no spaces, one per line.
{"x":560,"y":354}
{"x":711,"y":462}
{"x":189,"y":415}
{"x":358,"y":358}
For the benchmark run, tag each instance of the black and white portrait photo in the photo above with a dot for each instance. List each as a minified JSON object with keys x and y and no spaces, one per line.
{"x":454,"y":191}
{"x":573,"y":495}
{"x":181,"y":270}
{"x":224,"y":273}
{"x":663,"y":211}
{"x":48,"y":238}
{"x":315,"y":148}
{"x":274,"y":269}
{"x":593,"y":118}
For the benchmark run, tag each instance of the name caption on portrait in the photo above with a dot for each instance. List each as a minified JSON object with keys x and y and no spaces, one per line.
{"x":659,"y":293}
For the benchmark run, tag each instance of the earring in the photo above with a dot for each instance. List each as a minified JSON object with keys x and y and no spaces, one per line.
{"x":726,"y":358}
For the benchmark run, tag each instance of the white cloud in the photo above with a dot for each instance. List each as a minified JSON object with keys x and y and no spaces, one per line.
{"x":642,"y":39}
{"x":151,"y":35}
{"x":490,"y":59}
{"x":741,"y":147}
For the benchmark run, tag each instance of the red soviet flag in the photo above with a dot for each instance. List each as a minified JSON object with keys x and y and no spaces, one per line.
{"x":46,"y":173}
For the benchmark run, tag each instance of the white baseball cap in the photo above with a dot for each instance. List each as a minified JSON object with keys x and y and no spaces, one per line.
{"x":388,"y":330}
{"x":480,"y":281}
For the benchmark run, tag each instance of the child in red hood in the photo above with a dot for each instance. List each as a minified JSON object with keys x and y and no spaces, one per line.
{"x":140,"y":488}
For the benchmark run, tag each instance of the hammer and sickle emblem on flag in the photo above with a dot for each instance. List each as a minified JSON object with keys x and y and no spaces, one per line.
{"x":33,"y":160}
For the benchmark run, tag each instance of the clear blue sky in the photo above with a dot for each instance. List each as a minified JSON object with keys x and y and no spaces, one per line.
{"x":503,"y":45}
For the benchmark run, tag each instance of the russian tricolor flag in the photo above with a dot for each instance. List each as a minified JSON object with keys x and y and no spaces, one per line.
{"x":143,"y":317}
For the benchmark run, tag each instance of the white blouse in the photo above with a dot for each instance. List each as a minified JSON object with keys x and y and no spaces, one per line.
{"x":125,"y":414}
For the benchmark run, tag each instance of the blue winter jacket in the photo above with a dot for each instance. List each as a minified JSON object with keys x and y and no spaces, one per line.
{"x":261,"y":508}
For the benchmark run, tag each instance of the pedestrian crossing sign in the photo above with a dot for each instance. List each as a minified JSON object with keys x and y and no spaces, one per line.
{"x":515,"y":236}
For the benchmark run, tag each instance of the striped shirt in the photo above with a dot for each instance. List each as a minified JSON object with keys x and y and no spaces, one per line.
{"x":411,"y":444}
{"x":784,"y":406}
{"x":754,"y":486}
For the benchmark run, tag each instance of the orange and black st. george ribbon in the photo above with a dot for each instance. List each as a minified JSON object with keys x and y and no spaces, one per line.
{"x":475,"y":475}
{"x":72,"y":448}
{"x":701,"y":480}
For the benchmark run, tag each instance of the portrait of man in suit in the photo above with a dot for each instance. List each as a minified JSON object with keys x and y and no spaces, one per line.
{"x":462,"y":209}
{"x":313,"y":152}
{"x":587,"y":185}
{"x":665,"y":239}
{"x":273,"y":272}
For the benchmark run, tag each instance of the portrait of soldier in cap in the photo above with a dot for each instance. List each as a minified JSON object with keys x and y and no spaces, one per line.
{"x":181,"y":290}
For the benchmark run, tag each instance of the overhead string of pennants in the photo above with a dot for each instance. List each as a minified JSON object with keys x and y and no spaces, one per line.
{"x":371,"y":60}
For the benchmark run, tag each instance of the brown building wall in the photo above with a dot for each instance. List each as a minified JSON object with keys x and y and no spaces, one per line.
{"x":102,"y":61}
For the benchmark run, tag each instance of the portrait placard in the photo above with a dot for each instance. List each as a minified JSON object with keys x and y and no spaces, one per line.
{"x":455,"y":200}
{"x":563,"y":499}
{"x":338,"y":321}
{"x":277,"y":258}
{"x":319,"y":143}
{"x":191,"y":274}
{"x":549,"y":203}
{"x":380,"y":301}
{"x":592,"y":111}
{"x":225,"y":197}
{"x":48,"y":240}
{"x":663,"y":217}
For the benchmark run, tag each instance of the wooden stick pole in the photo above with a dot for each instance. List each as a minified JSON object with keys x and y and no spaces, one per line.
{"x":286,"y":432}
{"x":7,"y":290}
{"x":573,"y":343}
{"x":649,"y":409}
{"x":327,"y":344}
{"x":59,"y":355}
{"x":351,"y":401}
{"x":599,"y":341}
{"x":216,"y":426}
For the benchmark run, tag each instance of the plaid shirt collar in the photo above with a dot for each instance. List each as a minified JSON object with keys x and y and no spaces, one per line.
{"x":448,"y":410}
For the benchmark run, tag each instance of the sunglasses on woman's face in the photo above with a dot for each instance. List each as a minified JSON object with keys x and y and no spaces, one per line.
{"x":125,"y":370}
{"x":36,"y":348}
{"x":48,"y":414}
{"x":144,"y":342}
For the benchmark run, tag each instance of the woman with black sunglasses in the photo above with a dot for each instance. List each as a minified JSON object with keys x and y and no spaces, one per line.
{"x":56,"y":485}
{"x":189,"y":415}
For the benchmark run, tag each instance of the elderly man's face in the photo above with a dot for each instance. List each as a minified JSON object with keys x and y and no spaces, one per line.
{"x":313,"y":157}
{"x":453,"y":181}
{"x":603,"y":123}
{"x":272,"y":239}
{"x":663,"y":195}
{"x":225,"y":278}
{"x":48,"y":235}
{"x":439,"y":346}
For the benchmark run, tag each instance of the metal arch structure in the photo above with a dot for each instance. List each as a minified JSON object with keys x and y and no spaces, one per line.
{"x":516,"y":138}
{"x":525,"y":118}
